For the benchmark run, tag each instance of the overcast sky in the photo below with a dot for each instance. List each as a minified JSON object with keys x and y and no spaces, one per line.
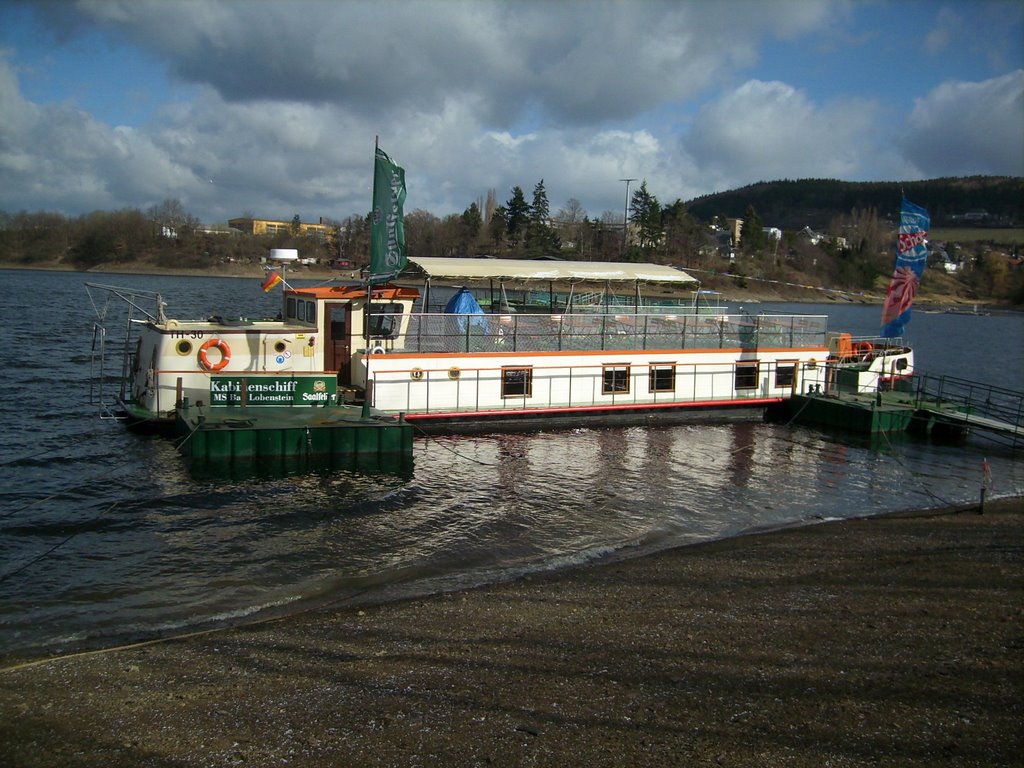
{"x":271,"y":108}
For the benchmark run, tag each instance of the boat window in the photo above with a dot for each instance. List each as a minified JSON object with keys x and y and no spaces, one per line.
{"x":338,"y":325}
{"x":302,"y":311}
{"x":310,"y":311}
{"x":746,"y":375}
{"x":516,"y":382}
{"x":785,"y":373}
{"x":290,"y":311}
{"x":662,"y":378}
{"x":615,"y":379}
{"x":382,"y":320}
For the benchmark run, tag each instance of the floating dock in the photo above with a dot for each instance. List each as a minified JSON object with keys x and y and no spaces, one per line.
{"x":939,"y":407}
{"x":333,"y":435}
{"x":862,"y":414}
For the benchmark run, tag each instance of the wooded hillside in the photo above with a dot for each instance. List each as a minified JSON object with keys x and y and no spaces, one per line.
{"x":816,"y":203}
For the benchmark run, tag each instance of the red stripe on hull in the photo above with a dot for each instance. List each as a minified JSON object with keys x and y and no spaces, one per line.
{"x":591,"y":409}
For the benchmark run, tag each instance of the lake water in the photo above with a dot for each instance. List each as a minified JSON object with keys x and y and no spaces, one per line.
{"x":106,"y":537}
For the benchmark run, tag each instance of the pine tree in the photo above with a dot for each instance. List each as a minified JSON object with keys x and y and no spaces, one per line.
{"x":497,"y":227}
{"x":752,"y":237}
{"x":541,"y":239}
{"x":472,"y":220}
{"x":645,"y":215}
{"x":517,"y":216}
{"x":540,"y":211}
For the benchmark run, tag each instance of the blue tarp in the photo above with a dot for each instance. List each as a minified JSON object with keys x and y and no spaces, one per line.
{"x":463,"y":303}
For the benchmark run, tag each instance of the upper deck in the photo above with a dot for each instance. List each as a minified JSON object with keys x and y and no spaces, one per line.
{"x":445,"y":333}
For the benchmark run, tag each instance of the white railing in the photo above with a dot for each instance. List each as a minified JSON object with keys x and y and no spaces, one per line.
{"x":442,"y":333}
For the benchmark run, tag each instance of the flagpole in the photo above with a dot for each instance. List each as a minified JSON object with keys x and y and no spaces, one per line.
{"x":368,"y":389}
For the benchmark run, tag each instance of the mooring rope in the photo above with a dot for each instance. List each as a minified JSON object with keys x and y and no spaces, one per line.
{"x":50,"y":551}
{"x":30,"y":456}
{"x":63,"y":492}
{"x":914,"y":475}
{"x":451,"y":450}
{"x":853,"y":294}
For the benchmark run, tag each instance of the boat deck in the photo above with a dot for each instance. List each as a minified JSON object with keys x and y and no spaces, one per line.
{"x":455,"y":334}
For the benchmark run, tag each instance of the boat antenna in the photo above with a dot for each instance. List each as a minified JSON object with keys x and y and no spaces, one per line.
{"x":284,"y":255}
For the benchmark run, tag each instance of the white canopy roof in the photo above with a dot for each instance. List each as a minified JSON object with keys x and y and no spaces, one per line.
{"x":568,"y":271}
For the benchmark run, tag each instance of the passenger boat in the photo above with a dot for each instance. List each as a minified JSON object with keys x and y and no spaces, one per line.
{"x":384,"y":345}
{"x":625,"y":358}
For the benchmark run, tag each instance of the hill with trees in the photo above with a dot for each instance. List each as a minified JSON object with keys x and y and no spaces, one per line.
{"x":816,"y":203}
{"x":767,"y":239}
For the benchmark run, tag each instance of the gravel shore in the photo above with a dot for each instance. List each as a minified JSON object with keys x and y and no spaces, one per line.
{"x":891,"y":641}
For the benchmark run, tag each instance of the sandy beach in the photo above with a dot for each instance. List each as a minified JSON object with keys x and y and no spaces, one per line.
{"x":892,"y":641}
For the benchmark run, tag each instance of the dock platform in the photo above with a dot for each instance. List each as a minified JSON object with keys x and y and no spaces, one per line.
{"x":942,"y":407}
{"x":855,"y":413}
{"x":339,"y":434}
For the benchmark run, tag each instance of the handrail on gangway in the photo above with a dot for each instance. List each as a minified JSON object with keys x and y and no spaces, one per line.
{"x":995,"y":409}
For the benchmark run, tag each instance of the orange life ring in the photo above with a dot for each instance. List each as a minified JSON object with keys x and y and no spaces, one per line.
{"x":863,"y":348}
{"x":225,"y":354}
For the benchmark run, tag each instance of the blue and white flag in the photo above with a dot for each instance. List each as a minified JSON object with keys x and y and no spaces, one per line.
{"x":911,"y":257}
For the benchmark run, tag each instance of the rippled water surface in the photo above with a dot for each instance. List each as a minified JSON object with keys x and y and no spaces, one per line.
{"x":105,"y":536}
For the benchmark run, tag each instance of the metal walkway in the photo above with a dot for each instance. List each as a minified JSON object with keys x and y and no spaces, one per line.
{"x":998,"y":412}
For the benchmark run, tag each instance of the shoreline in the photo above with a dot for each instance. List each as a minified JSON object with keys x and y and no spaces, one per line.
{"x":894,"y":639}
{"x":787,"y":294}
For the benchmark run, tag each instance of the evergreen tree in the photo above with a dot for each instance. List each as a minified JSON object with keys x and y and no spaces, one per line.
{"x":497,"y":227}
{"x":684,"y":235}
{"x":540,"y":211}
{"x":752,"y":237}
{"x":517,"y":216}
{"x":541,"y":239}
{"x":472,"y":221}
{"x":645,"y":215}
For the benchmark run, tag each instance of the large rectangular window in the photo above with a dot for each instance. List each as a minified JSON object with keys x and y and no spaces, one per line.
{"x":382,"y":322}
{"x":662,"y":378}
{"x":785,"y":373}
{"x":516,"y":382}
{"x":746,"y":375}
{"x":615,"y":380}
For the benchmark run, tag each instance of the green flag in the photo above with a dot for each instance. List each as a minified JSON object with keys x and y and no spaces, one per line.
{"x":387,"y":242}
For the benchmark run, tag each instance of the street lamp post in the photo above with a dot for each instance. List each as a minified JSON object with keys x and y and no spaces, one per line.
{"x":625,"y":215}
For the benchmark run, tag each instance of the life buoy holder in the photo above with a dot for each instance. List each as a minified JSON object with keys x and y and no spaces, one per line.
{"x":225,"y":354}
{"x":863,"y":348}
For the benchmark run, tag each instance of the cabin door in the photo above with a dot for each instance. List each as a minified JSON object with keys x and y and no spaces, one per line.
{"x":339,"y":341}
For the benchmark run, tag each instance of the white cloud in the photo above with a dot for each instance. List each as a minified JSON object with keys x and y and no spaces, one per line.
{"x":941,"y":35}
{"x":770,"y":130}
{"x":571,"y":61}
{"x":281,"y":108}
{"x":969,"y":128}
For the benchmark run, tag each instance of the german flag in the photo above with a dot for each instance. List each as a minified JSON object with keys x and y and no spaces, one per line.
{"x":271,"y":282}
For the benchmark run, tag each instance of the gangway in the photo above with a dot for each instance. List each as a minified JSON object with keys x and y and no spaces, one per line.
{"x":939,"y":406}
{"x":960,"y":403}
